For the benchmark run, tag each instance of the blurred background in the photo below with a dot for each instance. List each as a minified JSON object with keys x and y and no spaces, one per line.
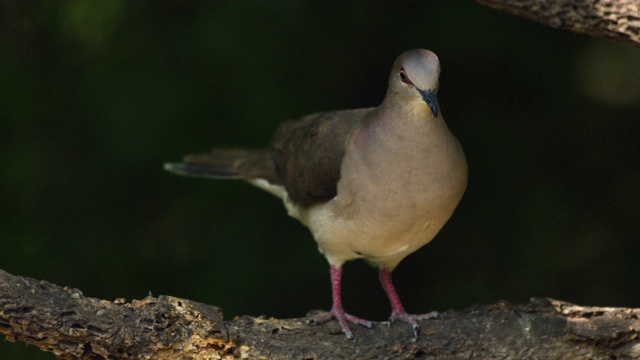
{"x":96,"y":95}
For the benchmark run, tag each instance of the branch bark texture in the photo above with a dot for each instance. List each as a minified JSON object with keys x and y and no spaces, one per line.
{"x":63,"y":321}
{"x":617,"y":20}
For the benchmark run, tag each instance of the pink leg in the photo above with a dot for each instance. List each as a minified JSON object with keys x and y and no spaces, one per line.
{"x":337,"y":312}
{"x":397,"y":310}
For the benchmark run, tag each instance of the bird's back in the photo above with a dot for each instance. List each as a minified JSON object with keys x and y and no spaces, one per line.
{"x":308,"y":153}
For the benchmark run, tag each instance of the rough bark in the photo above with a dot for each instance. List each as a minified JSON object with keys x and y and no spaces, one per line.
{"x":617,"y":20}
{"x":63,"y":321}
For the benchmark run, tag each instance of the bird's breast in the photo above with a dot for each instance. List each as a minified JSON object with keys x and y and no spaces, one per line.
{"x":392,"y":198}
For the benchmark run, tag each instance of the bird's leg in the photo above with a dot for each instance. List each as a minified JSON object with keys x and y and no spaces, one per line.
{"x":337,"y":312}
{"x":397,"y":310}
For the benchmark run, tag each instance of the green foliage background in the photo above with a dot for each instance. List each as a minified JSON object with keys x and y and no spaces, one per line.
{"x":96,"y":95}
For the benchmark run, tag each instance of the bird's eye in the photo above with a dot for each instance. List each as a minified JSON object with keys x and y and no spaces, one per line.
{"x":403,"y":76}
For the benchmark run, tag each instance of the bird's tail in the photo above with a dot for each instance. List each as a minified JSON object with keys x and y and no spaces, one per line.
{"x":226,"y":164}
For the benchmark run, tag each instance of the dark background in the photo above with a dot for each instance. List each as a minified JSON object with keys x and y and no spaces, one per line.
{"x":96,"y":95}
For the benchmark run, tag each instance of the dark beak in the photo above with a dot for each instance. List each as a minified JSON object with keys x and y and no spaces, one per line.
{"x":431,"y":99}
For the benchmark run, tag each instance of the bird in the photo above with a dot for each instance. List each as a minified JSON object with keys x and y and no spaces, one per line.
{"x":374,"y":183}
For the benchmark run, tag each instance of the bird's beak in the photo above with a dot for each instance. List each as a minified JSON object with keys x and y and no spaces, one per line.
{"x":431,"y":99}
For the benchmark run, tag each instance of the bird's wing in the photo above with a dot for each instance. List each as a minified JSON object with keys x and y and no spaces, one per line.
{"x":308,"y":153}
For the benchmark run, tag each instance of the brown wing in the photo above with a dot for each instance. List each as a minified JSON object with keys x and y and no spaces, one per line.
{"x":308,"y":153}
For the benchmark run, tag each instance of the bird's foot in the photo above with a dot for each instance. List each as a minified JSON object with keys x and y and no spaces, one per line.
{"x":343,"y":319}
{"x":413,"y":319}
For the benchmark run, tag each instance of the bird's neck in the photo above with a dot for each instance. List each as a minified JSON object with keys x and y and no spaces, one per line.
{"x":401,"y":129}
{"x":396,"y":153}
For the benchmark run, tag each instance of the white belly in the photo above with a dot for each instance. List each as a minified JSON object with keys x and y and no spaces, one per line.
{"x":382,"y":232}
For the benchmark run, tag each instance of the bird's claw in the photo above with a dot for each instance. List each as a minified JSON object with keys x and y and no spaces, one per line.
{"x":416,"y":330}
{"x":343,"y":318}
{"x":413,"y":319}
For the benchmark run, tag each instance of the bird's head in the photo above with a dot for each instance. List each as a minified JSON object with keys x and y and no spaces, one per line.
{"x":414,"y":77}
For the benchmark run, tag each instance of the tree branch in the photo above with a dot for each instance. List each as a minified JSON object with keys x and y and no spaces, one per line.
{"x":617,"y":20}
{"x":63,"y":321}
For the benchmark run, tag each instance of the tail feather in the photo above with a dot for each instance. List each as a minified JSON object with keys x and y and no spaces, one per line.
{"x":200,"y":170}
{"x":227,"y":164}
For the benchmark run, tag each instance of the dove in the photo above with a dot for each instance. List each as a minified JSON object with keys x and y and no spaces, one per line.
{"x":375,"y":183}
